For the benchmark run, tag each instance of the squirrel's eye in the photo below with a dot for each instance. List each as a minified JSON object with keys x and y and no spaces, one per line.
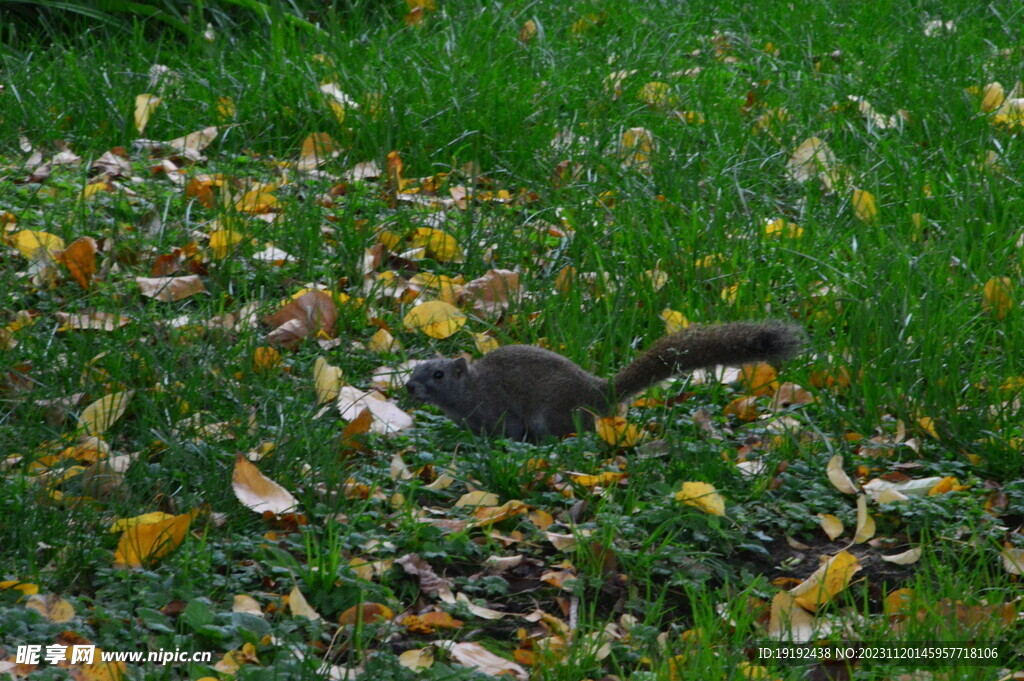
{"x":439,"y":375}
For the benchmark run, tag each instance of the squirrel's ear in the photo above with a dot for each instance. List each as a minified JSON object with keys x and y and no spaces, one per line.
{"x":459,"y":366}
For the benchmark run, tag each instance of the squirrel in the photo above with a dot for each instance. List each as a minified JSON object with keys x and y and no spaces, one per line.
{"x":525,"y":392}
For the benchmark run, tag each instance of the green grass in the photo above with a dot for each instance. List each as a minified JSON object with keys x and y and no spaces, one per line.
{"x":898,"y":302}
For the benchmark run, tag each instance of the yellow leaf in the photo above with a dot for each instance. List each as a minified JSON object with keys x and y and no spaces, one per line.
{"x":52,"y":607}
{"x":1013,"y":560}
{"x":442,"y":247}
{"x":327,"y":380}
{"x":101,"y":414}
{"x":992,"y":97}
{"x":477,"y":498}
{"x":122,"y":524}
{"x":381,"y":341}
{"x":788,"y":621}
{"x":143,"y":544}
{"x":436,"y":319}
{"x":656,"y":94}
{"x":300,"y":607}
{"x":256,"y":201}
{"x":927,"y":424}
{"x":144,"y":105}
{"x":617,"y":431}
{"x":606,"y":479}
{"x":864,"y":205}
{"x":779,"y":227}
{"x":484,"y":343}
{"x":488,"y":515}
{"x":225,"y":108}
{"x":417,"y":659}
{"x":832,"y":525}
{"x":637,"y":145}
{"x":28,"y":241}
{"x":898,"y":602}
{"x":758,"y":379}
{"x":266,"y":358}
{"x":528,"y":31}
{"x":865,"y":523}
{"x":366,"y":613}
{"x":222,"y":241}
{"x":703,"y":496}
{"x":827,"y":581}
{"x":674,"y":321}
{"x":947,"y":484}
{"x":998,"y":296}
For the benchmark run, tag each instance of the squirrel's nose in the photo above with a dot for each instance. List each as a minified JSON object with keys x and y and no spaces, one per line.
{"x":410,"y":388}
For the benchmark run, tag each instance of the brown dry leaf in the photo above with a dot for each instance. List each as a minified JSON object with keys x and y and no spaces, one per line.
{"x":1013,"y":560}
{"x":80,"y":259}
{"x":832,"y":525}
{"x":475,"y":656}
{"x":144,"y":105}
{"x":430,"y":582}
{"x":998,"y":297}
{"x":838,"y":477}
{"x":265,"y":358}
{"x":170,"y":289}
{"x":52,"y":607}
{"x":435,"y":318}
{"x":701,"y":495}
{"x":492,"y":292}
{"x":827,"y":581}
{"x":142,"y":544}
{"x":789,"y":394}
{"x":104,"y":412}
{"x":865,"y":523}
{"x":314,"y":312}
{"x":327,"y":380}
{"x":257,"y":492}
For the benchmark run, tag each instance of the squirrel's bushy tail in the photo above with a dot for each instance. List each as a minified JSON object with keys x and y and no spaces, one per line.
{"x":697,"y":347}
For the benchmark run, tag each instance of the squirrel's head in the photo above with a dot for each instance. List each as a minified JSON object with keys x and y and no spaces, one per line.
{"x":438,"y":381}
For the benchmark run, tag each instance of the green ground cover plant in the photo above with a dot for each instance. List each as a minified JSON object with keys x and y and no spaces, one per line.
{"x":213,"y":240}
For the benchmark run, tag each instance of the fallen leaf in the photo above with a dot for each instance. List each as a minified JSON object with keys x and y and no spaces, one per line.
{"x":906,"y":558}
{"x":998,"y":297}
{"x":257,"y":492}
{"x":475,"y":656}
{"x":327,"y":380}
{"x":366,"y":613}
{"x":436,"y":319}
{"x":838,"y":477}
{"x":702,"y":495}
{"x":865,"y":523}
{"x":864,"y":207}
{"x":144,"y":105}
{"x":97,"y":418}
{"x":300,"y":607}
{"x":80,"y":259}
{"x":832,"y":525}
{"x":170,"y":289}
{"x":827,"y":581}
{"x":142,"y":544}
{"x":388,"y":418}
